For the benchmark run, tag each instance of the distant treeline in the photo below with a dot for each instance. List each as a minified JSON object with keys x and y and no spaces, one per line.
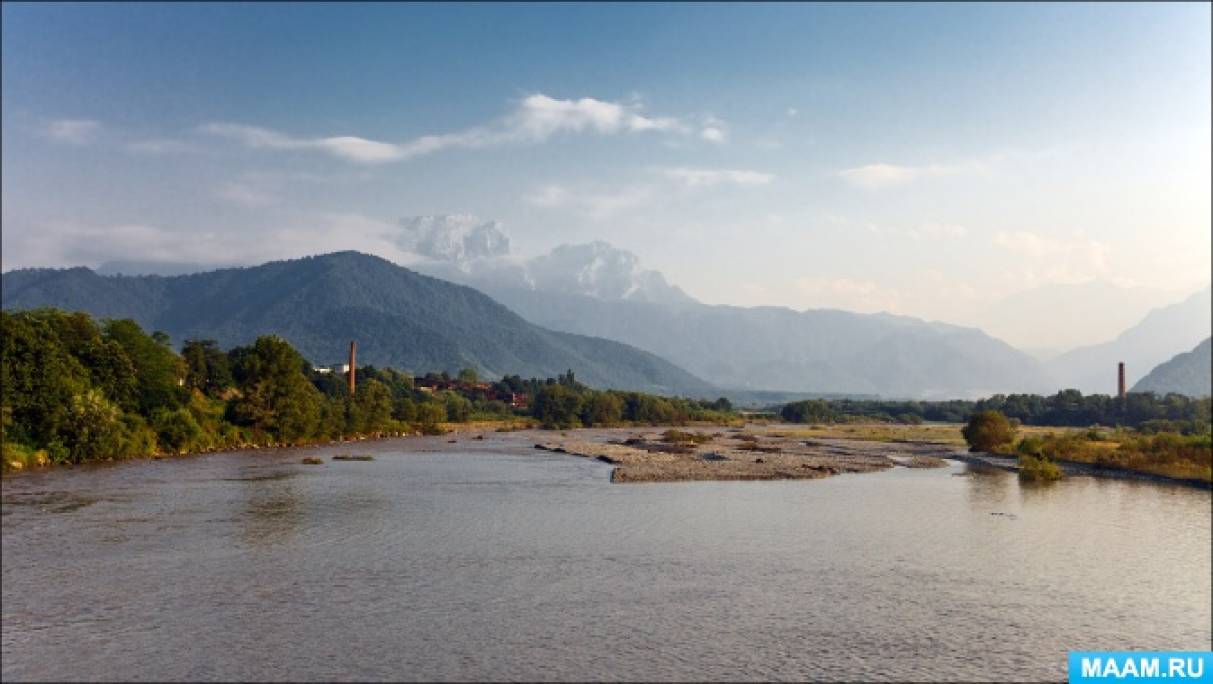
{"x":75,"y":390}
{"x":1143,"y":410}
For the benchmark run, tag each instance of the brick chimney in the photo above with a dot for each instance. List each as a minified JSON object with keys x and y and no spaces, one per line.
{"x":1120,"y":381}
{"x":354,"y":353}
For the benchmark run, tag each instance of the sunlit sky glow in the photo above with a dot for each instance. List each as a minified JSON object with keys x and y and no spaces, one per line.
{"x":919,"y":159}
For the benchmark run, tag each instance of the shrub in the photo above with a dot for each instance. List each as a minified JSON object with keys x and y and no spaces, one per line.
{"x":1038,"y":469}
{"x":988,"y":431}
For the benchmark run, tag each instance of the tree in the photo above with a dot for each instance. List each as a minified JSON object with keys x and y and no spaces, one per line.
{"x":159,"y":372}
{"x":375,"y":403}
{"x":458,"y":408}
{"x":206,"y":366}
{"x":987,"y":431}
{"x":601,"y":408}
{"x":469,"y":375}
{"x":38,"y":378}
{"x":557,"y":405}
{"x":176,"y":429}
{"x":277,"y":397}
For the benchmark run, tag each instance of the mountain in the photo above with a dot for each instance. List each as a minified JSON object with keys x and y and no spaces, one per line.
{"x":399,"y":318}
{"x":774,"y":348}
{"x":1189,"y":373}
{"x":1145,"y":345}
{"x":1050,"y":319}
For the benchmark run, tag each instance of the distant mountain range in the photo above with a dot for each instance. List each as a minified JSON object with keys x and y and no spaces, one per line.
{"x":774,"y":348}
{"x":400,"y":318}
{"x":1189,"y":373}
{"x":652,"y":330}
{"x":1161,"y":334}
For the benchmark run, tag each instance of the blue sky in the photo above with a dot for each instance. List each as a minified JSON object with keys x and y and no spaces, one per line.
{"x":872,"y":157}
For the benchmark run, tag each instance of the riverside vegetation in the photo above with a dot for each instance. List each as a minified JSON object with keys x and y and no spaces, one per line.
{"x":1169,"y":454}
{"x":76,"y":390}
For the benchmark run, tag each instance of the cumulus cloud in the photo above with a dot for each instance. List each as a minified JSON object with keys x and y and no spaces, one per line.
{"x":536,"y":118}
{"x":72,"y":131}
{"x":453,"y":237}
{"x":881,"y":175}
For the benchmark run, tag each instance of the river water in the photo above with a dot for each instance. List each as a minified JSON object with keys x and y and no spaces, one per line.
{"x":491,"y":560}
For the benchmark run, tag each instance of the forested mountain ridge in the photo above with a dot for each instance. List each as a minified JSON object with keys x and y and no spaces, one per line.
{"x":400,"y":318}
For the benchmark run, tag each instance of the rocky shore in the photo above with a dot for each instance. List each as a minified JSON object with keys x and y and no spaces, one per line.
{"x":738,"y":454}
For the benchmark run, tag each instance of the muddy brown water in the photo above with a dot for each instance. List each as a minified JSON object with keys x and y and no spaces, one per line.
{"x":491,"y":560}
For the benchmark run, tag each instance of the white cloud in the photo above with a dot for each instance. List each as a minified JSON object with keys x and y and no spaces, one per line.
{"x":536,"y":118}
{"x":695,"y":177}
{"x":345,"y":146}
{"x":72,"y":131}
{"x":714,"y":130}
{"x":881,"y":175}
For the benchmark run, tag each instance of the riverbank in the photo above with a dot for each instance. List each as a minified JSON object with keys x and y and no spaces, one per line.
{"x":1080,"y":469}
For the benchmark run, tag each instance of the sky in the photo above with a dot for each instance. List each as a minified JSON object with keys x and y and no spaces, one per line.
{"x":928,"y":160}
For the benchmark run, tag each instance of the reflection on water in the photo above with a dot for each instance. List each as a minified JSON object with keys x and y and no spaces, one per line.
{"x":500,"y":562}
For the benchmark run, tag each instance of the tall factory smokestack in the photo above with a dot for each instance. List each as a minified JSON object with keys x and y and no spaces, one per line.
{"x":1120,"y":380}
{"x":353,"y":365}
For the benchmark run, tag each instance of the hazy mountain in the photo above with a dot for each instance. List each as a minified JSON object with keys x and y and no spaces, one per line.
{"x":1152,"y":341}
{"x":1048,"y":320}
{"x":400,"y":318}
{"x":1189,"y":373}
{"x":774,"y":348}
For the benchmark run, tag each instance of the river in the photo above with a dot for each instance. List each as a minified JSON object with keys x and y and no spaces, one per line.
{"x":491,"y":560}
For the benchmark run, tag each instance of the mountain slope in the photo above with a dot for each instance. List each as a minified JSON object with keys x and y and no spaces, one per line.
{"x":1152,"y":341}
{"x":400,"y":318}
{"x":774,"y":348}
{"x":1189,"y":373}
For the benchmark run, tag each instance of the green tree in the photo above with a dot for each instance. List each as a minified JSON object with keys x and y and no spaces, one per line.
{"x":206,"y":366}
{"x":93,"y":430}
{"x":38,"y":379}
{"x":159,"y":372}
{"x":375,"y":406}
{"x":988,"y":431}
{"x":557,"y":405}
{"x":469,"y":375}
{"x":458,"y":408}
{"x":177,"y":429}
{"x":601,"y":408}
{"x":429,"y":415}
{"x":277,"y":398}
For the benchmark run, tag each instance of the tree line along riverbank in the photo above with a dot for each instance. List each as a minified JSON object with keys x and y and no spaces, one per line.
{"x":73,"y":390}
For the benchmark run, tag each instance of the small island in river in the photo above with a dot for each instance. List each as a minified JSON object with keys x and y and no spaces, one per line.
{"x":738,"y":454}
